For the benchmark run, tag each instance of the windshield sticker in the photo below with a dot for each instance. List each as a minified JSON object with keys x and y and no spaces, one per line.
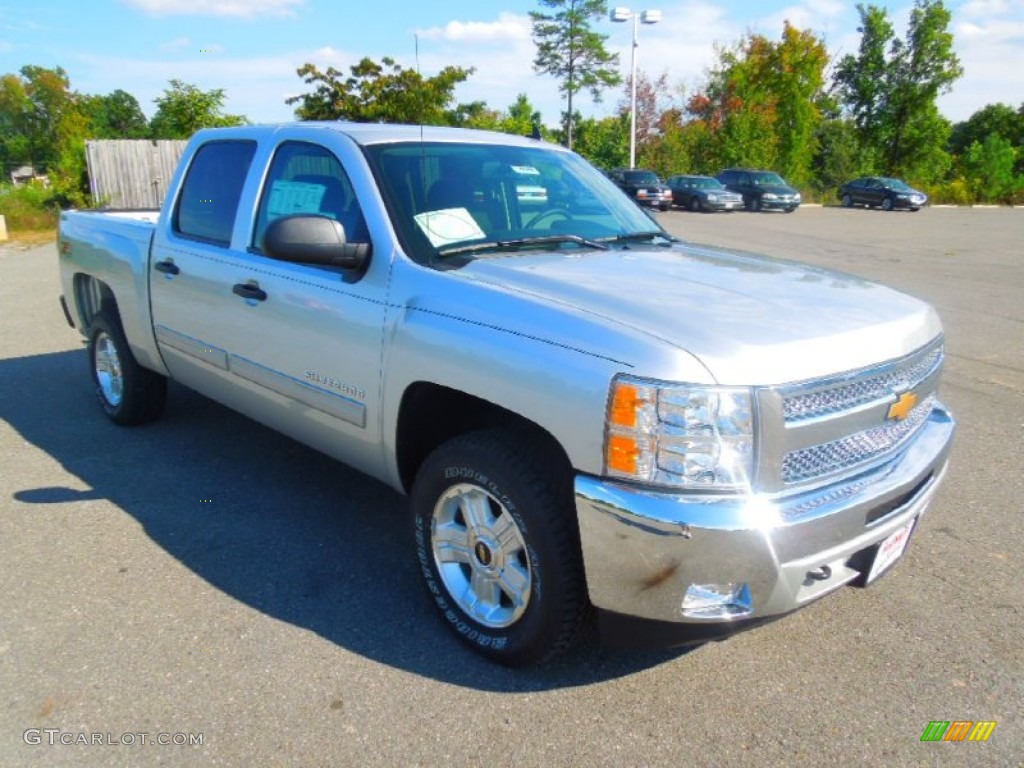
{"x":449,"y":225}
{"x":526,"y":170}
{"x":291,"y":197}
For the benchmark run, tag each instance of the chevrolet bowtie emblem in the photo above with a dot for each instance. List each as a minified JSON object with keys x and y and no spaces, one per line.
{"x":904,"y":404}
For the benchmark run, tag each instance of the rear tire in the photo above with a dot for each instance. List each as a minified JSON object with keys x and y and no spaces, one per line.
{"x":498,"y":547}
{"x":128,"y":393}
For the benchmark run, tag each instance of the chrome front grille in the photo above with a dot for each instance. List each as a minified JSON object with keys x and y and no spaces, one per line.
{"x":863,"y":388}
{"x":836,"y":426}
{"x":848,"y":452}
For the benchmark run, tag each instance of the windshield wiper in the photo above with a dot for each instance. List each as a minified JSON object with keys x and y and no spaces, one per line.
{"x":521,"y":241}
{"x":640,"y":236}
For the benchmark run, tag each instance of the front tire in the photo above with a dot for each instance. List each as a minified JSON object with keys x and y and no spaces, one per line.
{"x":498,"y":546}
{"x":847,"y":201}
{"x":695,"y":206}
{"x":887,"y":204}
{"x":755,"y":204}
{"x":128,"y":393}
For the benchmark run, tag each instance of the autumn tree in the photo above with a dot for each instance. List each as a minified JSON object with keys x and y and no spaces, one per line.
{"x":763,"y":102}
{"x":184,"y":109}
{"x":379,"y":93}
{"x":573,"y":53}
{"x":43,"y":123}
{"x":891,"y":86}
{"x":38,"y":115}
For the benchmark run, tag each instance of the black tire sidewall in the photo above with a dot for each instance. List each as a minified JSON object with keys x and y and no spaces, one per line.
{"x":143,"y":391}
{"x":536,"y":634}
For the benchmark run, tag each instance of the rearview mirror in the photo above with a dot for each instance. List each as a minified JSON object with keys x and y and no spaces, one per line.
{"x":318,"y":240}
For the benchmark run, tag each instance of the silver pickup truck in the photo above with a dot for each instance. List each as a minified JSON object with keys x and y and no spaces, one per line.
{"x":589,"y":416}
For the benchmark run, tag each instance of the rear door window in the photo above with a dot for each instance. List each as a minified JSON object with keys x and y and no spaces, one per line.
{"x":208,"y":202}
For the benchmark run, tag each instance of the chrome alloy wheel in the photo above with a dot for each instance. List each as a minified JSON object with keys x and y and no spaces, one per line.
{"x":481,"y":556}
{"x":108,"y":370}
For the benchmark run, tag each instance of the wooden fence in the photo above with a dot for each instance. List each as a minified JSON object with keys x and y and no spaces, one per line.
{"x":127,"y":173}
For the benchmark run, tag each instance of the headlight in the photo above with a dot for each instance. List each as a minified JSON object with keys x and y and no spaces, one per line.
{"x":798,"y":197}
{"x":770,"y":196}
{"x":712,"y":197}
{"x":679,"y":435}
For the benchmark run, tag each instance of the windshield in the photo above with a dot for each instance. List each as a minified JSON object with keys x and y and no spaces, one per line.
{"x":492,"y":199}
{"x":642,"y":177}
{"x":708,"y":184}
{"x":768,"y":180}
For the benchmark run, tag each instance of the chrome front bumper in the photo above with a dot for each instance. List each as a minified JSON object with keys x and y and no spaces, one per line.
{"x":643,"y":549}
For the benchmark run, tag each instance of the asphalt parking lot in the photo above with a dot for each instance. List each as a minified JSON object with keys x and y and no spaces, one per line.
{"x":203,"y":578}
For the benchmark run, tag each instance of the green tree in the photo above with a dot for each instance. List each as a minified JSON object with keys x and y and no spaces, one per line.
{"x":521,"y":118}
{"x":989,"y":166}
{"x":571,"y":52}
{"x":184,"y":109}
{"x":838,"y":156}
{"x":604,"y":142}
{"x":999,"y":119}
{"x":890,"y":89}
{"x":384,"y":93}
{"x":115,"y":116}
{"x":15,"y":111}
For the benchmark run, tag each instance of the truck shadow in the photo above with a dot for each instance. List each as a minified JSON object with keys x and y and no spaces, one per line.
{"x":271,"y":523}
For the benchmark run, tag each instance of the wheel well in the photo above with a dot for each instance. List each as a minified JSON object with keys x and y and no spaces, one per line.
{"x":91,"y":297}
{"x":431,"y":414}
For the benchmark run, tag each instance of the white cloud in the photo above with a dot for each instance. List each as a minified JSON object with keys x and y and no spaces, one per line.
{"x":232,"y":8}
{"x":5,"y":46}
{"x":990,"y":53}
{"x":986,"y":8}
{"x":508,"y":27}
{"x":819,"y":16}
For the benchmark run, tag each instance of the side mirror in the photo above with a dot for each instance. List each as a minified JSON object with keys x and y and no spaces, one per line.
{"x":317,"y":240}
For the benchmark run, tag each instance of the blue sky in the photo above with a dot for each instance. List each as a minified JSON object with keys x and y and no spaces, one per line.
{"x":251,"y":48}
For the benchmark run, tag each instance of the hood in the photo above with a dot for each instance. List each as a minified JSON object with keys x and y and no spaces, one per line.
{"x":749,"y":319}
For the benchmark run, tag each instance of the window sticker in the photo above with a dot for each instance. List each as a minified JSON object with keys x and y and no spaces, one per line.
{"x":449,"y":225}
{"x":288,"y":198}
{"x":526,"y":170}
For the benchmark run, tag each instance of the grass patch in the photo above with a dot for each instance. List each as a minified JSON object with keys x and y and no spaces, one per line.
{"x":31,"y":208}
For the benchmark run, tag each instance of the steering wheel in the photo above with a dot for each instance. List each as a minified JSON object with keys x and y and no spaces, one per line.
{"x":549,"y":212}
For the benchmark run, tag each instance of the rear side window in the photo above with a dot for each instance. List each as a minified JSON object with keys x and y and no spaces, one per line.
{"x":209,"y":197}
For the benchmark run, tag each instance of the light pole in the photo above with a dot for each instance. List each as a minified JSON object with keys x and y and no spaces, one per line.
{"x":645,"y":17}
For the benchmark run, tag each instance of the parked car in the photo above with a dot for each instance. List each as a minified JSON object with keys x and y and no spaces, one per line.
{"x":643,"y":186}
{"x":703,"y":193}
{"x":761,"y":190}
{"x":881,"y":191}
